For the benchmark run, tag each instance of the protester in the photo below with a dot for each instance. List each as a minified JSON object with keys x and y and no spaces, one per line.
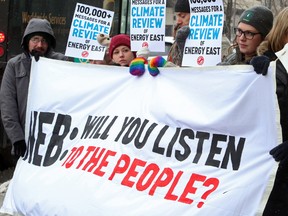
{"x":182,"y":12}
{"x":182,"y":30}
{"x":38,"y":40}
{"x":277,"y":204}
{"x":120,"y":50}
{"x":253,"y":26}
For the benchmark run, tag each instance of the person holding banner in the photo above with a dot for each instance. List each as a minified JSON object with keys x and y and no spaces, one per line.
{"x":120,"y":50}
{"x":253,"y":26}
{"x":276,"y":39}
{"x":38,"y":40}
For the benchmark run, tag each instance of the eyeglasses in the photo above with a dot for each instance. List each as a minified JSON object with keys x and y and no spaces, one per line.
{"x":247,"y":34}
{"x":36,"y":40}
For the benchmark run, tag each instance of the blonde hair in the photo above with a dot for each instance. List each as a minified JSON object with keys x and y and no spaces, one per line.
{"x":278,"y":35}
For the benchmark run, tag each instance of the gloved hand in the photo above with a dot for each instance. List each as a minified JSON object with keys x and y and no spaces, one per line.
{"x":36,"y":55}
{"x":177,"y":49}
{"x":154,"y":63}
{"x":181,"y":36}
{"x":137,"y":66}
{"x":143,"y":52}
{"x":19,"y":148}
{"x":260,"y":64}
{"x":280,"y":152}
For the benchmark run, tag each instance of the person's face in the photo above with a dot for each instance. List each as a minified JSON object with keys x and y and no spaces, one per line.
{"x":122,"y":55}
{"x":39,"y":44}
{"x":248,"y":46}
{"x":182,"y":19}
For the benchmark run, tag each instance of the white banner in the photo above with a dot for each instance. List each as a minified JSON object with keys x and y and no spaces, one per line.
{"x":191,"y":141}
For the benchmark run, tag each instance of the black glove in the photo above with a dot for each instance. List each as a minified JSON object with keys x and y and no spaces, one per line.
{"x":280,"y":152}
{"x":19,"y":148}
{"x":260,"y":64}
{"x":36,"y":55}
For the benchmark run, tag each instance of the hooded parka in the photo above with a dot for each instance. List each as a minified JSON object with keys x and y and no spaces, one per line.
{"x":15,"y":82}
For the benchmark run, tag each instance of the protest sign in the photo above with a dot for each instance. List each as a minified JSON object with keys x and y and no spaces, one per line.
{"x":87,"y":23}
{"x":203,"y":45}
{"x":147,"y":25}
{"x":191,"y":141}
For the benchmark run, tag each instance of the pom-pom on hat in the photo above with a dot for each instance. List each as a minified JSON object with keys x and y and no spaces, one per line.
{"x":260,"y":17}
{"x":182,"y":6}
{"x":118,"y":40}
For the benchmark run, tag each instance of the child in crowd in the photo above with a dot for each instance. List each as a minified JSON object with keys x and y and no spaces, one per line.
{"x":120,"y":50}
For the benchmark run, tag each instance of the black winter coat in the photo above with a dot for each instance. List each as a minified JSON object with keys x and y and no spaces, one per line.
{"x":277,"y":204}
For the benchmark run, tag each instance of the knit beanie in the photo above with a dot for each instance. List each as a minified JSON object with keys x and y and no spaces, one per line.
{"x":182,"y":6}
{"x":118,"y":40}
{"x":260,"y":17}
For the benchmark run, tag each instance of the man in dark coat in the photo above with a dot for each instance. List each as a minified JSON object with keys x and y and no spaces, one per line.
{"x":38,"y":40}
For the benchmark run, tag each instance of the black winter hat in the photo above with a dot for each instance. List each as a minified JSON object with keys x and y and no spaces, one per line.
{"x":259,"y":17}
{"x":182,"y":6}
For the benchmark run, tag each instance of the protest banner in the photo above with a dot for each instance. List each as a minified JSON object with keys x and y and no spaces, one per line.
{"x":87,"y":23}
{"x":203,"y":45}
{"x":190,"y":141}
{"x":147,"y":25}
